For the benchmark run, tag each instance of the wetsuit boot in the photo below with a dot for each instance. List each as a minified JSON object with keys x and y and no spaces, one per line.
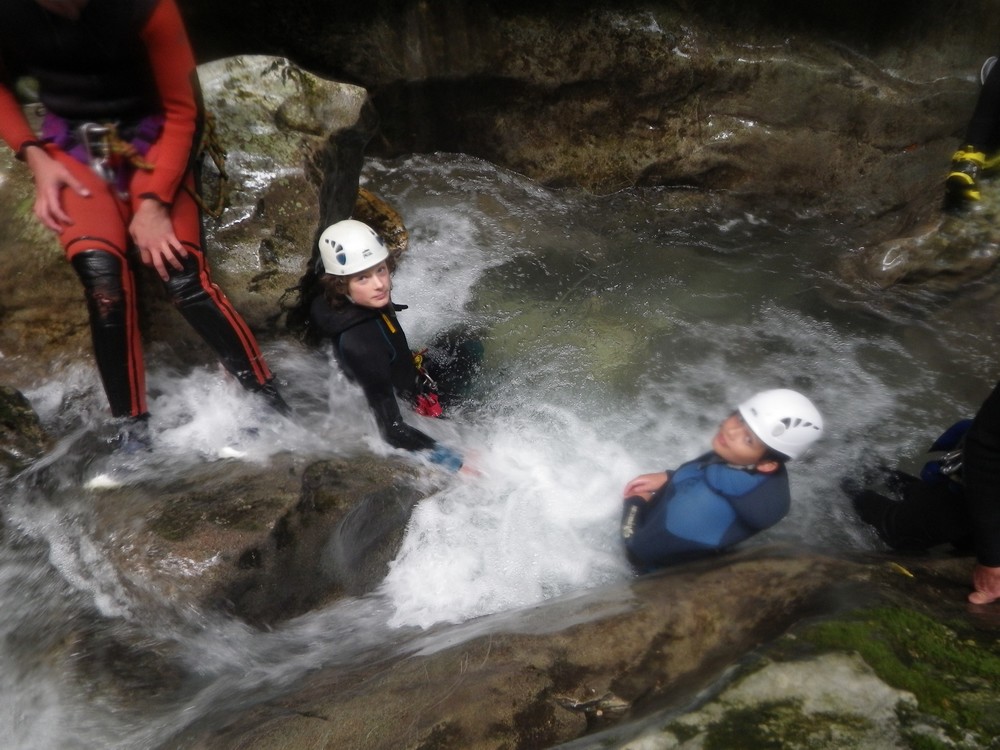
{"x":133,"y":436}
{"x":962,"y":185}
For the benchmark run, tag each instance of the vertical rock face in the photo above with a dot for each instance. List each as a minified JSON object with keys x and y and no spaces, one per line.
{"x":850,"y":108}
{"x":294,"y":144}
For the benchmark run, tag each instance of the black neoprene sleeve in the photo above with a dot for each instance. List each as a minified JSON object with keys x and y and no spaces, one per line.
{"x":981,"y":475}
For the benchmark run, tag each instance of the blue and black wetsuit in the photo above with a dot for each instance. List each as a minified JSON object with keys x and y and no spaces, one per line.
{"x":706,"y":506}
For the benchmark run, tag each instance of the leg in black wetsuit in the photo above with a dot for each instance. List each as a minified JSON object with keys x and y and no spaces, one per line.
{"x":978,"y":155}
{"x":109,"y":287}
{"x":983,"y":131}
{"x":917,"y":515}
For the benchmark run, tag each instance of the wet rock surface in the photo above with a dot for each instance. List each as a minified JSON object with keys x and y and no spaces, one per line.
{"x":848,"y":109}
{"x":262,"y":543}
{"x":553,"y":673}
{"x":854,"y":119}
{"x":22,"y":438}
{"x":586,"y":669}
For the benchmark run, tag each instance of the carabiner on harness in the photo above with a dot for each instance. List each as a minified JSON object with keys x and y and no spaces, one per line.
{"x":109,"y":156}
{"x":418,"y":362}
{"x":96,"y":141}
{"x":426,"y":402}
{"x":951,"y":462}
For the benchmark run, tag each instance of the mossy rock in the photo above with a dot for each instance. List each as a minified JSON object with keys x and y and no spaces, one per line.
{"x":22,"y":438}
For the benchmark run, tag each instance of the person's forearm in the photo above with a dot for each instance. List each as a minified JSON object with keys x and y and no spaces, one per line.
{"x":394,"y":430}
{"x":174,"y":70}
{"x":14,"y":128}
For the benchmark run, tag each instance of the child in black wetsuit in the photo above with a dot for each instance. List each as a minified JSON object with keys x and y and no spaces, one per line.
{"x":357,"y":313}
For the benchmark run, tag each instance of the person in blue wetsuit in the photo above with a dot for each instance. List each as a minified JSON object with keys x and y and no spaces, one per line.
{"x":356,"y":312}
{"x":725,"y":496}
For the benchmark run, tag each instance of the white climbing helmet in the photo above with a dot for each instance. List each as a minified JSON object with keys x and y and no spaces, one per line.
{"x":349,"y":247}
{"x":784,"y":420}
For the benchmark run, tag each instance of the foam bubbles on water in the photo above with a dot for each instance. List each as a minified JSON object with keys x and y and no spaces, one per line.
{"x":541,"y":520}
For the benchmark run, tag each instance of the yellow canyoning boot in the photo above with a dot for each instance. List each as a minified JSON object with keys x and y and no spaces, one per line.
{"x":966,"y":166}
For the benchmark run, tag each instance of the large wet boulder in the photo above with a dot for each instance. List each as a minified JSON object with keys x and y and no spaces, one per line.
{"x":849,"y":108}
{"x":261,"y":543}
{"x":602,"y":665}
{"x":845,"y":109}
{"x":946,"y":252}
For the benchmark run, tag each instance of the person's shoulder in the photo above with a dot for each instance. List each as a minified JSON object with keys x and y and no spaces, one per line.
{"x":335,"y":321}
{"x":736,"y":480}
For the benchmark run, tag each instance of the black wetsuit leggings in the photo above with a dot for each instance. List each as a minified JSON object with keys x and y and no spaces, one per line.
{"x":921,"y":515}
{"x":983,"y":131}
{"x":109,"y":286}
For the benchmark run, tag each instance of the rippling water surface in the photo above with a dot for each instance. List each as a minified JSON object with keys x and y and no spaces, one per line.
{"x":619,"y":331}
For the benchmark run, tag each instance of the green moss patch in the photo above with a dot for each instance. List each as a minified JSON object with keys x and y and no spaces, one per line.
{"x":951,"y":670}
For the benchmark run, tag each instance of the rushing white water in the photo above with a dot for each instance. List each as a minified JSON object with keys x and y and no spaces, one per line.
{"x":618,"y":332}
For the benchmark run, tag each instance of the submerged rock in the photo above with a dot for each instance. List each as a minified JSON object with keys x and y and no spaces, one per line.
{"x":22,"y":438}
{"x":262,"y":543}
{"x":946,"y":253}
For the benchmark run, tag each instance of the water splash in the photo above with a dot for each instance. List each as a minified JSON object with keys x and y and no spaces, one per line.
{"x":619,"y":331}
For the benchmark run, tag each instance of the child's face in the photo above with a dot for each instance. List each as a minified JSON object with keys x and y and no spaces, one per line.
{"x":737,"y":444}
{"x":371,"y":288}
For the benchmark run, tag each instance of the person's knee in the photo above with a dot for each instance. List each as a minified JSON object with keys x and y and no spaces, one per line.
{"x":184,"y":287}
{"x":101,"y":274}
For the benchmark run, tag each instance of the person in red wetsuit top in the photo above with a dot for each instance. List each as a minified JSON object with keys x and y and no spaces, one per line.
{"x":115,"y":174}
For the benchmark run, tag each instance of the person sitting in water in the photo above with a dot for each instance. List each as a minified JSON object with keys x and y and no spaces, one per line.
{"x":356,"y":312}
{"x":727,"y":495}
{"x":955,"y":500}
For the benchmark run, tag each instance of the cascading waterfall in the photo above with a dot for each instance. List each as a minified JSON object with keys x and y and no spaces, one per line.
{"x":619,"y":331}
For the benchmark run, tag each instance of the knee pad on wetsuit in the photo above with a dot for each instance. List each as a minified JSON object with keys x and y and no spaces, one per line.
{"x":184,"y":286}
{"x":101,"y":274}
{"x":113,"y":329}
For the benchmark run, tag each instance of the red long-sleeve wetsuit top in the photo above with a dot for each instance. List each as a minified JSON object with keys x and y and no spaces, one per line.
{"x":122,"y":60}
